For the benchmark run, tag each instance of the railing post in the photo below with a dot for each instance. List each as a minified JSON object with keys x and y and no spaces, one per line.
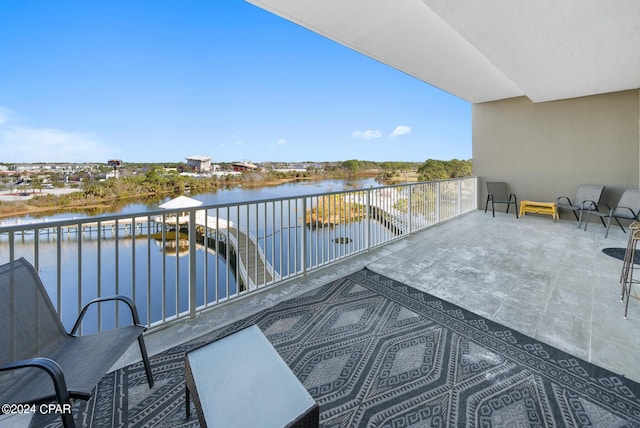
{"x":438,"y":202}
{"x":192,"y":263}
{"x":303,"y":239}
{"x":475,"y":193}
{"x":79,"y":306}
{"x":12,"y":251}
{"x":368,"y":214}
{"x":409,"y":226}
{"x":459,"y":196}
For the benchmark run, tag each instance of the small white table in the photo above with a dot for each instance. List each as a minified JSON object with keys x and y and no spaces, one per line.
{"x":241,"y":381}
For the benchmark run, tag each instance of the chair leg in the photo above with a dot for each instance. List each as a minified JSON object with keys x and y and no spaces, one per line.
{"x":67,"y":420}
{"x":586,"y":222}
{"x":486,"y":205}
{"x":145,"y":360}
{"x":602,"y":220}
{"x":606,"y":234}
{"x":580,"y":219}
{"x":619,"y":224}
{"x":625,"y":271}
{"x":516,"y":205}
{"x":187,"y":402}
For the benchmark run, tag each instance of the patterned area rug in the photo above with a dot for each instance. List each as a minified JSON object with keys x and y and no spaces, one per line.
{"x":619,"y":254}
{"x":374,"y":352}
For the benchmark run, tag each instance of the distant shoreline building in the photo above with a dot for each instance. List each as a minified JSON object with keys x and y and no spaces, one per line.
{"x":200,"y":163}
{"x":243,"y":166}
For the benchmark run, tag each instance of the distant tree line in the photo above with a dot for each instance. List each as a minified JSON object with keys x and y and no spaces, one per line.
{"x":434,"y":169}
{"x":149,"y":180}
{"x":355,"y":165}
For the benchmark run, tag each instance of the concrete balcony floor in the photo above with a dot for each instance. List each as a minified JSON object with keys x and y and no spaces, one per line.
{"x":548,"y":280}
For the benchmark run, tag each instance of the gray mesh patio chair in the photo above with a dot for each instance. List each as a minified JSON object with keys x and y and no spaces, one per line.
{"x":39,"y":361}
{"x":628,"y":208}
{"x":497,"y":194}
{"x":587,"y":199}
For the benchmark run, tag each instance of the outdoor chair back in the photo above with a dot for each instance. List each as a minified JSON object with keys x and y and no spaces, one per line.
{"x":39,"y":361}
{"x":628,"y":208}
{"x":30,"y":323}
{"x":497,"y":193}
{"x":587,"y":199}
{"x":629,"y":205}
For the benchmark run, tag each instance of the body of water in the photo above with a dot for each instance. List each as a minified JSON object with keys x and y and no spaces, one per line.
{"x":98,"y":265}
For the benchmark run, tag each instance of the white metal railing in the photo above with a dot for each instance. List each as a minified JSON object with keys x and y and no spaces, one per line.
{"x":175,"y":263}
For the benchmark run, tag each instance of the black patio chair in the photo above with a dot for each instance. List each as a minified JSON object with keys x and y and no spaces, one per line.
{"x":628,"y":208}
{"x":587,"y":199}
{"x":497,"y":194}
{"x":39,"y":361}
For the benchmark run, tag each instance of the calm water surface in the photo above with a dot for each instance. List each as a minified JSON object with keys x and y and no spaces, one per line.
{"x":102,"y":273}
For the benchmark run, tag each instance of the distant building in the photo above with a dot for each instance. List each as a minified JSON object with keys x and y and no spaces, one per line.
{"x":243,"y":166}
{"x":199,"y":163}
{"x":115,"y":164}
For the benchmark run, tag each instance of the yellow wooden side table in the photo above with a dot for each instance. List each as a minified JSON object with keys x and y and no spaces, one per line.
{"x":539,"y":208}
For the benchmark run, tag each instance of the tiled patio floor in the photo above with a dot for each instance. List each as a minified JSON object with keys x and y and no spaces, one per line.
{"x":548,"y":280}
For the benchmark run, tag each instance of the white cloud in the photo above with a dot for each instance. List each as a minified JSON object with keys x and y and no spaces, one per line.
{"x":400,"y":130}
{"x":19,"y":143}
{"x":367,"y":135}
{"x":278,"y":143}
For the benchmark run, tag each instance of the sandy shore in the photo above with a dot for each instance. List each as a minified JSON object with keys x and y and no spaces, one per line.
{"x":16,"y":196}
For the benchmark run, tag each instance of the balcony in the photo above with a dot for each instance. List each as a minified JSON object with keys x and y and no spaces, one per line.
{"x":550,"y":281}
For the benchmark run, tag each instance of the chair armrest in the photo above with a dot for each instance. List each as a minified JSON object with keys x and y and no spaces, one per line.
{"x":602,"y":203}
{"x":633,"y":213}
{"x":48,"y":365}
{"x":125,"y":299}
{"x":592,"y":205}
{"x":564,"y":197}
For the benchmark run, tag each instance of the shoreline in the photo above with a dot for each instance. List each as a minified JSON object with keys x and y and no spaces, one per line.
{"x":14,"y":207}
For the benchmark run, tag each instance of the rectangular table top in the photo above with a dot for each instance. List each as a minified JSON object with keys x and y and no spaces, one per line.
{"x":241,"y":380}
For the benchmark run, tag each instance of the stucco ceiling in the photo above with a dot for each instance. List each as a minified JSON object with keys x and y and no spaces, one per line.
{"x":491,"y":49}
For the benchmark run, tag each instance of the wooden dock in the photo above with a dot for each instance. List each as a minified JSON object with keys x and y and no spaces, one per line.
{"x":254,"y":270}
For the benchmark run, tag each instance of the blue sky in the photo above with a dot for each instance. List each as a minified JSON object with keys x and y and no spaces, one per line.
{"x":158,"y":81}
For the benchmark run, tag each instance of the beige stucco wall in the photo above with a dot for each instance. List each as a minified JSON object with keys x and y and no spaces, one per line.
{"x":546,"y":150}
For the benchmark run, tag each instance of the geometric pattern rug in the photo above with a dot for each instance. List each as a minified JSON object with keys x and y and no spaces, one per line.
{"x":619,"y":253}
{"x":375,"y":352}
